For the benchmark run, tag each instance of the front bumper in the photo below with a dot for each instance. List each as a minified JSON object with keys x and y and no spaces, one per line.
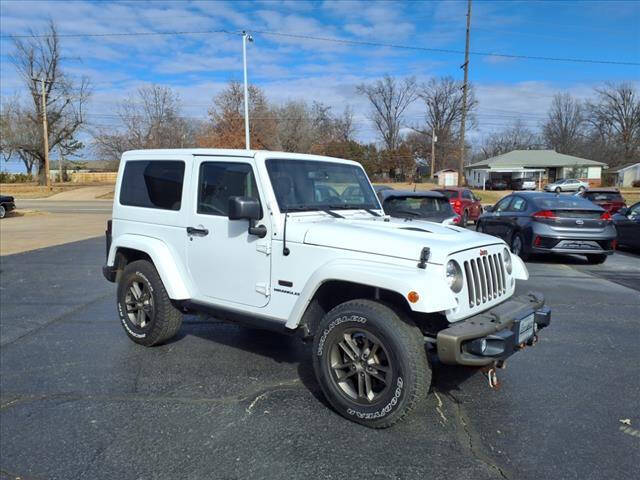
{"x":499,"y":326}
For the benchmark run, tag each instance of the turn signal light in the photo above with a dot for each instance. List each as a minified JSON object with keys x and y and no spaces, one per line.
{"x":605,"y":216}
{"x":537,"y":241}
{"x":413,"y":297}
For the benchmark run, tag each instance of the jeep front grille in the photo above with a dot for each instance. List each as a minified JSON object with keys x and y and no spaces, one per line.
{"x":486,"y":279}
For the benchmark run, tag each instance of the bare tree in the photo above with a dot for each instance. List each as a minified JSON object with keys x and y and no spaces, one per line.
{"x":615,"y":119}
{"x":389,"y":99}
{"x":442,"y":98}
{"x":515,"y":137}
{"x":38,"y":58}
{"x":564,"y":129}
{"x":150,"y":119}
{"x":17,"y":134}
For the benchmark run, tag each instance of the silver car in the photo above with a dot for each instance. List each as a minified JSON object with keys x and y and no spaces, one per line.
{"x":567,"y":185}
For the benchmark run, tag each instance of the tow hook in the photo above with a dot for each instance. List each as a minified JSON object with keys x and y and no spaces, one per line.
{"x":492,"y":377}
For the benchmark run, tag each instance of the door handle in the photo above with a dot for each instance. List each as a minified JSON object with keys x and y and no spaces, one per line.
{"x":199,"y":232}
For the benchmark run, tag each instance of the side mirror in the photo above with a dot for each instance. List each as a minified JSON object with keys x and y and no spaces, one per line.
{"x":623,"y":211}
{"x":246,"y":208}
{"x":488,"y":208}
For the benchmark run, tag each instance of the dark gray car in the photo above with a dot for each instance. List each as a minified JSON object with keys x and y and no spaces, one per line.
{"x":430,"y":206}
{"x":536,"y":222}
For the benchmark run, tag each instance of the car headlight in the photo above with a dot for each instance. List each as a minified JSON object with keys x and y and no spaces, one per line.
{"x":507,"y":260}
{"x":454,"y":276}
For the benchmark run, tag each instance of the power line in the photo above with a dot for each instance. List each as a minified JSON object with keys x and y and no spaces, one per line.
{"x":338,"y":41}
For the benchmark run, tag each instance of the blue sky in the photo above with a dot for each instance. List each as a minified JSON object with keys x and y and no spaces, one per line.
{"x":198,"y":66}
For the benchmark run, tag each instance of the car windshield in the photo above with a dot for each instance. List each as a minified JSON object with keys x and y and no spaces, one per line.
{"x":307,"y":185}
{"x":449,"y":193}
{"x":603,"y":196}
{"x":563,"y":202}
{"x":418,"y":206}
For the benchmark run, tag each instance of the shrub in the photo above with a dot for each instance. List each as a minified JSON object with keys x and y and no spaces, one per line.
{"x":6,"y":177}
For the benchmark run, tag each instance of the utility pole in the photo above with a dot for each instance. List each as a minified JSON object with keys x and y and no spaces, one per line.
{"x":246,"y":37}
{"x":464,"y":99}
{"x":45,"y":133}
{"x":434,"y":139}
{"x":60,"y":162}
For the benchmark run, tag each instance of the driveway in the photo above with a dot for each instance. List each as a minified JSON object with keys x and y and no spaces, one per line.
{"x":80,"y":400}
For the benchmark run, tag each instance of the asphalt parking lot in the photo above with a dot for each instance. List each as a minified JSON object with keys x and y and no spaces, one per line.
{"x":79,"y":400}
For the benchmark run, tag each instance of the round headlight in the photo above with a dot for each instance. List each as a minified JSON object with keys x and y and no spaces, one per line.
{"x":454,"y":276}
{"x":507,"y":260}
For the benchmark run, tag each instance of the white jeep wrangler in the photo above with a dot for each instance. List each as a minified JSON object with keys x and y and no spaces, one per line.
{"x":300,"y":244}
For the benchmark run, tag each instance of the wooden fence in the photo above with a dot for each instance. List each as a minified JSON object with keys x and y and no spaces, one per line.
{"x":93,"y":177}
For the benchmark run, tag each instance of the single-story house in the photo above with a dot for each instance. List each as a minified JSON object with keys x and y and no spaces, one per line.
{"x":447,"y":177}
{"x":544,"y":166}
{"x":625,"y":175}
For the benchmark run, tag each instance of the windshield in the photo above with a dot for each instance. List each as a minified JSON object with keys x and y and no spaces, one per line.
{"x":603,"y":196}
{"x":306,"y":185}
{"x":417,"y":206}
{"x":449,"y":193}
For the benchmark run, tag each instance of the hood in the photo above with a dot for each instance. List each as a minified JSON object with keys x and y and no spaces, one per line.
{"x":393,"y":238}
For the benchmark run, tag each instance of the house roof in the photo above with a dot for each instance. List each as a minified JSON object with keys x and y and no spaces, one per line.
{"x":534,"y":158}
{"x":626,"y":166}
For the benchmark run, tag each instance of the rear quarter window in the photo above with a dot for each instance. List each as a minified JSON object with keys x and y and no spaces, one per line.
{"x":152,"y":184}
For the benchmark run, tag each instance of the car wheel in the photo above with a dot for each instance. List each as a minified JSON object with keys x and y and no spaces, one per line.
{"x":479,"y":226}
{"x":3,"y":211}
{"x":145,"y":309}
{"x":558,"y":190}
{"x":581,"y":189}
{"x":596,"y":259}
{"x":517,"y":246}
{"x":371,"y":364}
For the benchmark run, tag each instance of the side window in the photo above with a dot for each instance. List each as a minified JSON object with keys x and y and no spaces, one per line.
{"x":467,"y":195}
{"x":152,"y":184}
{"x":502,"y":204}
{"x":218,"y":181}
{"x":518,"y":204}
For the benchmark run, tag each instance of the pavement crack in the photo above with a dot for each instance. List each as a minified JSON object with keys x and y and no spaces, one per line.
{"x":471,"y":441}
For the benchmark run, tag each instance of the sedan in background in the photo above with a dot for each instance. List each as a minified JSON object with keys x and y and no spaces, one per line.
{"x":566,"y":185}
{"x":430,"y":206}
{"x":627,"y":222}
{"x":536,"y":222}
{"x":607,"y":198}
{"x":464,"y":203}
{"x":6,"y":205}
{"x":523,"y":184}
{"x":496,"y":184}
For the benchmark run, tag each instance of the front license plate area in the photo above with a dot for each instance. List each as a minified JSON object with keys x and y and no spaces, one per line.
{"x":525,"y":328}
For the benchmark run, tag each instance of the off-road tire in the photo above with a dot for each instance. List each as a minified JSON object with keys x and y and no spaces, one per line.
{"x":409,"y":373}
{"x":596,"y":259}
{"x":165,"y":319}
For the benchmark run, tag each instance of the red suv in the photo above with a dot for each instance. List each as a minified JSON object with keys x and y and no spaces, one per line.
{"x":464,"y":203}
{"x":607,"y":198}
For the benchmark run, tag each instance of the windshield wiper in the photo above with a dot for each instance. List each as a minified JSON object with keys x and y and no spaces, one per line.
{"x":375,"y":214}
{"x":333,"y":214}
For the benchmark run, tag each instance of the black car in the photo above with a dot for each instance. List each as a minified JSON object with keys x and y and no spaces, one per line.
{"x":430,"y":206}
{"x":538,"y":222}
{"x":627,"y":222}
{"x":6,"y":205}
{"x":496,"y":184}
